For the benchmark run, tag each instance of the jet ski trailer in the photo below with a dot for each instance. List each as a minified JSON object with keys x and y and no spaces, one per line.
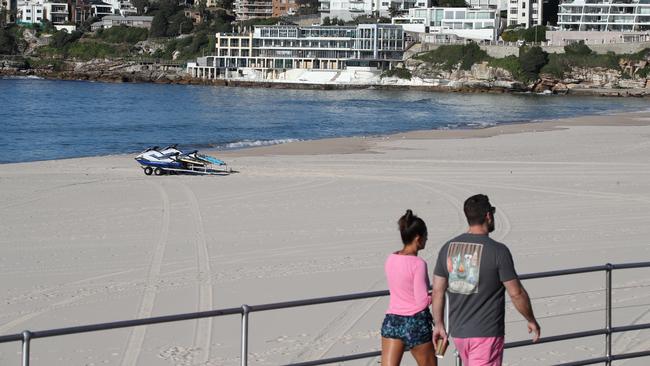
{"x":171,"y":160}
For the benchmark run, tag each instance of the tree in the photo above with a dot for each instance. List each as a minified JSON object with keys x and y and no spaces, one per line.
{"x":450,"y":3}
{"x":393,"y":11}
{"x":532,"y":60}
{"x":179,"y":24}
{"x":8,"y":44}
{"x":201,"y":7}
{"x":326,"y":21}
{"x":534,"y":34}
{"x":158,"y":25}
{"x":227,"y":4}
{"x":141,"y":5}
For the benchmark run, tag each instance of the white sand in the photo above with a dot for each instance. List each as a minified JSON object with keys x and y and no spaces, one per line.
{"x":93,"y":240}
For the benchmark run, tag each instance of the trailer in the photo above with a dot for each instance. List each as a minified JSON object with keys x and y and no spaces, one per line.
{"x":191,"y":170}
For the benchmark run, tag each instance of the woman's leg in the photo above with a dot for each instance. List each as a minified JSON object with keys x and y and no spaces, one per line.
{"x":391,"y":351}
{"x":424,"y":354}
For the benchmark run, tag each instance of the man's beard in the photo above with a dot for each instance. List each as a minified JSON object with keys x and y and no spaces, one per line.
{"x":491,"y":226}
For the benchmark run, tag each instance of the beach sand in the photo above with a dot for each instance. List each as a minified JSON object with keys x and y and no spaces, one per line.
{"x":93,"y":240}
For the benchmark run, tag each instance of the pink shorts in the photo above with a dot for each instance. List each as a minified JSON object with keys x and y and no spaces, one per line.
{"x":480,"y":351}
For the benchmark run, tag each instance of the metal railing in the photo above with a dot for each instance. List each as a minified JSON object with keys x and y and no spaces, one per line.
{"x":26,"y":336}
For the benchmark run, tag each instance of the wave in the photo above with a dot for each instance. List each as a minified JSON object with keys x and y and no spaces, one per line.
{"x":22,"y":77}
{"x":255,"y":143}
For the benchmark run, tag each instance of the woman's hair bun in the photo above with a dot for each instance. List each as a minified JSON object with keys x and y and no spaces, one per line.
{"x":410,"y":226}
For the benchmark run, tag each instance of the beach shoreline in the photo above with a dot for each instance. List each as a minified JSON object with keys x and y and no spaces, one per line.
{"x":365,"y":144}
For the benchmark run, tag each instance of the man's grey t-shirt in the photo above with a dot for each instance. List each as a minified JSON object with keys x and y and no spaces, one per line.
{"x":476,"y":267}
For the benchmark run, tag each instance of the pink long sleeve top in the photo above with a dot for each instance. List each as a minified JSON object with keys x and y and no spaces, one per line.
{"x":408,"y":283}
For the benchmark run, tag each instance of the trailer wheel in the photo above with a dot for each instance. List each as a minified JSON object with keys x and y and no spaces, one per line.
{"x":158,"y":171}
{"x":148,"y":170}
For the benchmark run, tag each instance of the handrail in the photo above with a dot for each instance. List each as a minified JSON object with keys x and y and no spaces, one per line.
{"x":244,"y":311}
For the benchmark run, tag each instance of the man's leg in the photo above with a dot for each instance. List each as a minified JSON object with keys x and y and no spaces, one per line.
{"x":424,"y":354}
{"x":391,"y":351}
{"x":485,"y":351}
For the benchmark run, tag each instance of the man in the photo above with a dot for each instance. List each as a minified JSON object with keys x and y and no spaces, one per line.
{"x":476,"y":271}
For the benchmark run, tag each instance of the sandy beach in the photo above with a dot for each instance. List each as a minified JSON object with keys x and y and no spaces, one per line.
{"x":92,"y":240}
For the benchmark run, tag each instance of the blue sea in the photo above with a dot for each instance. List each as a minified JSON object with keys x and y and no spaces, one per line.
{"x":46,"y":119}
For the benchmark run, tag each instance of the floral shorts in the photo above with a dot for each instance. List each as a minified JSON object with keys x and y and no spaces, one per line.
{"x":412,"y":330}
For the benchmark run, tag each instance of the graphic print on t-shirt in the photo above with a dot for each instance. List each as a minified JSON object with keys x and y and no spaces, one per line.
{"x":463,"y":265}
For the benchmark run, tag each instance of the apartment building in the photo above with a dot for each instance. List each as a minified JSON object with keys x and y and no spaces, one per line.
{"x":526,"y":13}
{"x":604,"y":15}
{"x":250,"y":9}
{"x":284,"y":7}
{"x":488,"y":4}
{"x":34,"y":12}
{"x":468,"y":23}
{"x":269,"y":49}
{"x":350,"y":9}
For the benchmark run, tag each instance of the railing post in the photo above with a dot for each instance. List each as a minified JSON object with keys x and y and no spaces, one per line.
{"x":27,"y":337}
{"x":244,"y":334}
{"x":608,"y":313}
{"x":459,"y":362}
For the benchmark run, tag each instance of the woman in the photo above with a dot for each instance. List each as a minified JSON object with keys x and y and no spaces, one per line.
{"x":408,"y":321}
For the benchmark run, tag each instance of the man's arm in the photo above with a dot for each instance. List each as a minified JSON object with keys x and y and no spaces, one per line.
{"x":438,"y":307}
{"x":521,"y":301}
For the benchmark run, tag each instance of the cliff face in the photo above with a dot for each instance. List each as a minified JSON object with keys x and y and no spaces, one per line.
{"x":599,"y":80}
{"x":99,"y":70}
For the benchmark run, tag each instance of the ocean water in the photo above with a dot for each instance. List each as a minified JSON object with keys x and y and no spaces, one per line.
{"x":46,"y":119}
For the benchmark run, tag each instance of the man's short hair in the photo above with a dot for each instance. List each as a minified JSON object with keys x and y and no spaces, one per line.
{"x":476,"y":209}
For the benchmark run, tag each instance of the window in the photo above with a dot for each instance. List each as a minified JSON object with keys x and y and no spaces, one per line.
{"x":523,"y":5}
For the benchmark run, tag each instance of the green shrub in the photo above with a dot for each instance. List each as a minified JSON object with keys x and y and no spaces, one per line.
{"x":91,"y":50}
{"x":578,"y":49}
{"x":509,"y":63}
{"x":399,"y":72}
{"x":532,"y":60}
{"x":557,"y":66}
{"x":123,"y":34}
{"x":451,"y":56}
{"x":510,"y":36}
{"x":62,"y":38}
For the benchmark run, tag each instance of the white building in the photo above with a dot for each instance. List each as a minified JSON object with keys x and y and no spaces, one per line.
{"x":604,"y":15}
{"x":475,"y":24}
{"x":29,"y":12}
{"x":488,"y":4}
{"x":251,"y":9}
{"x":526,"y":13}
{"x":34,"y":12}
{"x":350,"y":9}
{"x":110,"y":21}
{"x":272,"y":49}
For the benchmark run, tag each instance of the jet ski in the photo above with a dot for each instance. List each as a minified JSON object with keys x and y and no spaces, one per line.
{"x":170,"y":159}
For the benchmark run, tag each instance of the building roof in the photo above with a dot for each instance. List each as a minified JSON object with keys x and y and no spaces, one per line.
{"x":119,"y":17}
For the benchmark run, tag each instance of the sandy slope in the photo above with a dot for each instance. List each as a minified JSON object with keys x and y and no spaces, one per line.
{"x":90,"y":240}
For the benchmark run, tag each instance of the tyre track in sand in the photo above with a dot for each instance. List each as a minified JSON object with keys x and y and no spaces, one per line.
{"x":203,"y":327}
{"x":146,"y":306}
